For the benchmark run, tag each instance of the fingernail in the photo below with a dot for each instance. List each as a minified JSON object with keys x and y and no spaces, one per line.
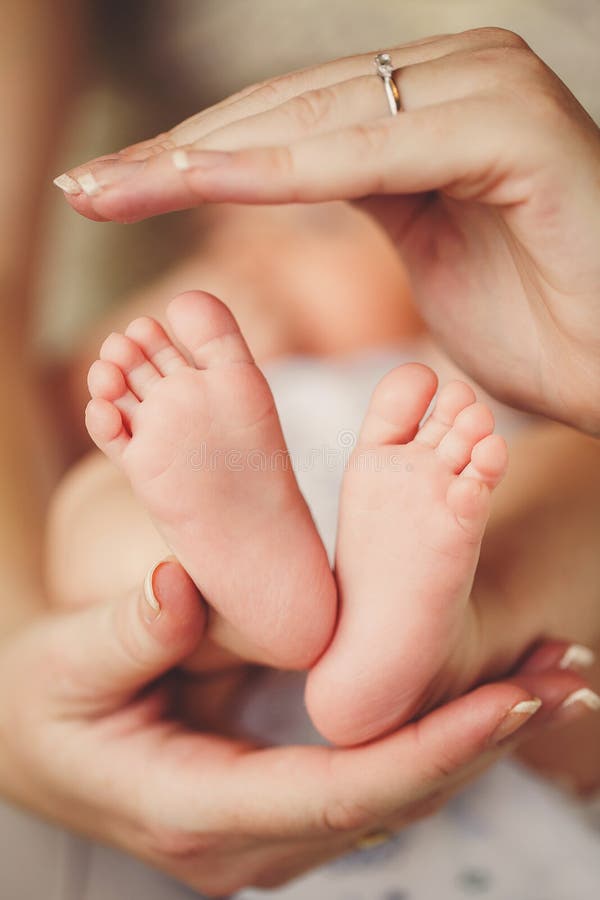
{"x":67,"y":184}
{"x":585,"y":696}
{"x":183,"y":160}
{"x":577,"y":657}
{"x":108,"y":173}
{"x":515,"y":719}
{"x":153,"y":606}
{"x":88,"y":184}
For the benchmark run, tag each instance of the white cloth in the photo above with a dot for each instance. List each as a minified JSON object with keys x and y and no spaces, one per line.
{"x":510,"y":836}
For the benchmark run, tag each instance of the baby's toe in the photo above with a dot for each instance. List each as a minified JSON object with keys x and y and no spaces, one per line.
{"x":207,"y":330}
{"x":140,"y":374}
{"x":107,"y":382}
{"x":399,"y":402}
{"x":469,"y":500}
{"x":470,"y":426}
{"x":105,"y":427}
{"x":156,"y":344}
{"x":453,"y":398}
{"x":489,"y":460}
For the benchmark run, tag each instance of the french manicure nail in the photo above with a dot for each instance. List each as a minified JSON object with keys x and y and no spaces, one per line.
{"x":515,"y":719}
{"x":585,"y":696}
{"x":183,"y":160}
{"x":67,"y":184}
{"x":88,"y":184}
{"x":108,"y":173}
{"x":149,"y":595}
{"x":577,"y":657}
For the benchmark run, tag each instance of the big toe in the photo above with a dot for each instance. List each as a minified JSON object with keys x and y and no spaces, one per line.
{"x":207,"y":330}
{"x":398,"y":404}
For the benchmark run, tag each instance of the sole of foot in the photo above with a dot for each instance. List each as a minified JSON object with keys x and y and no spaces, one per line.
{"x":193,"y":425}
{"x":415,"y":502}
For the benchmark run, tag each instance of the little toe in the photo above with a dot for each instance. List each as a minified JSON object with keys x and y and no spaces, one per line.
{"x":140,"y":374}
{"x":105,"y":426}
{"x":107,"y":382}
{"x":398,"y":404}
{"x":207,"y":329}
{"x":470,"y":426}
{"x":156,"y":344}
{"x":469,"y":500}
{"x":452,"y":399}
{"x":489,"y":460}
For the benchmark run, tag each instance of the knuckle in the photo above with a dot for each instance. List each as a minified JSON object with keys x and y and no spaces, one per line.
{"x":549,"y":111}
{"x":272,"y":93}
{"x":281,"y":162}
{"x":433,"y":771}
{"x":372,"y":138}
{"x":506,"y":59}
{"x":499,"y":37}
{"x":313,"y":108}
{"x":340,"y":817}
{"x":163,"y":142}
{"x":174,"y":845}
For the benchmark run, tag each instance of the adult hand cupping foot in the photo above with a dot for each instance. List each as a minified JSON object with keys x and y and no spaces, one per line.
{"x":487,"y":182}
{"x":90,"y":739}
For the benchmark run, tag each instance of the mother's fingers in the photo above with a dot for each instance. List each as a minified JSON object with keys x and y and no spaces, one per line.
{"x":282,"y":110}
{"x":267,"y":95}
{"x":560,"y":695}
{"x":308,"y":805}
{"x":275,"y":92}
{"x":300,"y":792}
{"x":313,"y":112}
{"x":431,"y":81}
{"x":558,"y":655}
{"x":303,"y":795}
{"x":385,"y":156}
{"x":258,"y":98}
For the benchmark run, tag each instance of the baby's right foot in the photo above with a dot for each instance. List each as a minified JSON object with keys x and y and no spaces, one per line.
{"x":202,"y":445}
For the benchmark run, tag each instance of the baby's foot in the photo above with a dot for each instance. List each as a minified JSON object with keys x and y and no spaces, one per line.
{"x":201,"y":443}
{"x":414,"y":506}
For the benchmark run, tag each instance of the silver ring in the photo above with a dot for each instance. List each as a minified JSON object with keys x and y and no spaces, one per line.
{"x":385,"y":70}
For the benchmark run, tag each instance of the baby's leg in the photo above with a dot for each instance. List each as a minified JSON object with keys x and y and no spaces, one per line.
{"x":99,"y":541}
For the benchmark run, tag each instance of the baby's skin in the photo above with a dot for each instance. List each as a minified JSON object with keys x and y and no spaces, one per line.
{"x":194,"y":428}
{"x":199,"y":438}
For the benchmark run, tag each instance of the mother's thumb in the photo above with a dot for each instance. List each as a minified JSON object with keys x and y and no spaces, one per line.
{"x":110,"y":652}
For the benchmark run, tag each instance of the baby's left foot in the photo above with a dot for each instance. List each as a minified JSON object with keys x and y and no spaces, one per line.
{"x":200,"y":441}
{"x":414,"y":506}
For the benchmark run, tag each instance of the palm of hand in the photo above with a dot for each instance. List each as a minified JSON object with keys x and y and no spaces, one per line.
{"x":497,"y":305}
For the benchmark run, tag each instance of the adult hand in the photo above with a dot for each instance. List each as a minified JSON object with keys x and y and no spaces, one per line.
{"x":89,"y":737}
{"x":487,"y":181}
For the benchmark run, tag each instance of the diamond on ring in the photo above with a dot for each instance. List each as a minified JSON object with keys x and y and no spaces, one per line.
{"x":383,"y":64}
{"x":385,"y":70}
